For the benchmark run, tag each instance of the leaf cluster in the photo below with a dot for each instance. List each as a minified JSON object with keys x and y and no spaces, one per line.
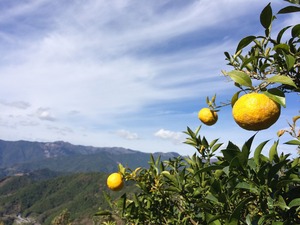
{"x":273,"y":61}
{"x":231,"y":189}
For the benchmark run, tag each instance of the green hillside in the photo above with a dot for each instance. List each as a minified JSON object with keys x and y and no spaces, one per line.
{"x":81,"y":194}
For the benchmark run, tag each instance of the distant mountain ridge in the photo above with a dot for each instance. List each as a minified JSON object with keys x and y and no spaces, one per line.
{"x":24,"y":156}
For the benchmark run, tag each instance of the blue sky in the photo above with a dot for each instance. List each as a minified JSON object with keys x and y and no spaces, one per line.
{"x":124,"y":73}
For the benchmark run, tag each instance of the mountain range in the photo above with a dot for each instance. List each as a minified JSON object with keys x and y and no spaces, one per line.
{"x":25,"y":156}
{"x":38,"y":180}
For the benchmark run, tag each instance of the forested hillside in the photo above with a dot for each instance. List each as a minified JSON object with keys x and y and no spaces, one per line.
{"x":40,"y":201}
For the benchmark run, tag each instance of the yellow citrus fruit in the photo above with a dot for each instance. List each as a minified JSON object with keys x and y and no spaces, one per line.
{"x":115,"y":182}
{"x":208,"y":116}
{"x":255,"y":111}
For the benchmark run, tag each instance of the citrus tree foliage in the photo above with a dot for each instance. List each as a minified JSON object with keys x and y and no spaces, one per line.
{"x":274,"y":60}
{"x":240,"y":185}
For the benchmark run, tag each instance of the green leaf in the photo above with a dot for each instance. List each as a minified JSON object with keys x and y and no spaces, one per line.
{"x":296,"y":31}
{"x":282,"y":80}
{"x":247,"y":186}
{"x":276,"y":95}
{"x":281,"y":203}
{"x":273,"y":151}
{"x":214,"y":220}
{"x":240,"y":77}
{"x":209,"y":168}
{"x":283,"y":47}
{"x":290,"y":61}
{"x":247,"y":61}
{"x":293,"y":142}
{"x":294,"y":202}
{"x":275,"y":169}
{"x":245,"y":42}
{"x":279,"y":36}
{"x":236,"y":214}
{"x":266,"y":16}
{"x":103,"y":213}
{"x":258,"y":150}
{"x":234,"y":98}
{"x":169,"y":177}
{"x":227,"y":55}
{"x":213,"y":142}
{"x":216,"y":147}
{"x":212,"y":198}
{"x":246,"y":151}
{"x":289,"y":9}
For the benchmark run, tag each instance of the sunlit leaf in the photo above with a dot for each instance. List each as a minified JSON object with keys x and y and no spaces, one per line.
{"x":293,"y":142}
{"x":282,"y":79}
{"x":240,"y":77}
{"x":276,"y":95}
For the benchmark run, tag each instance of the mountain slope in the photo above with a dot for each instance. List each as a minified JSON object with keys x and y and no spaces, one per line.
{"x":42,"y":200}
{"x":24,"y":156}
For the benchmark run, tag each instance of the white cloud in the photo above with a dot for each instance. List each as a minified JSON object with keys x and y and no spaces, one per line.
{"x":127,"y":135}
{"x":114,"y":65}
{"x":175,"y":137}
{"x":45,"y":114}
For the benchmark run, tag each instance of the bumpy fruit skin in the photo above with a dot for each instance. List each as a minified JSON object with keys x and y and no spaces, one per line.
{"x":255,"y":111}
{"x":115,"y":182}
{"x":207,"y":116}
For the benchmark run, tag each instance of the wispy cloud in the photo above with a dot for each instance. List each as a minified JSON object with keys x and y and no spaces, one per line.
{"x":115,"y":65}
{"x":127,"y":134}
{"x":16,"y":104}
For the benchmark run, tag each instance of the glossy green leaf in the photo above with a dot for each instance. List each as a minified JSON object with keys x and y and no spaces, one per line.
{"x":240,"y":77}
{"x":245,"y":42}
{"x":282,"y":47}
{"x":290,"y":61}
{"x":281,"y":32}
{"x":294,"y":202}
{"x":289,"y":9}
{"x":293,"y":142}
{"x":273,"y":151}
{"x":213,"y":142}
{"x":276,"y":95}
{"x":257,"y":152}
{"x":234,"y":98}
{"x":227,"y":55}
{"x":216,"y":147}
{"x":282,"y":80}
{"x":266,"y":16}
{"x":244,"y":155}
{"x":296,"y":31}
